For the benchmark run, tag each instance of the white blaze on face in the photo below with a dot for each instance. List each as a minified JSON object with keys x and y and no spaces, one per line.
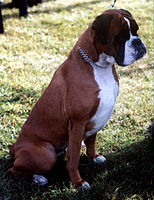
{"x":129,"y":54}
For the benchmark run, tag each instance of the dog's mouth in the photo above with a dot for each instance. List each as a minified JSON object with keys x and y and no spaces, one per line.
{"x":141,"y":51}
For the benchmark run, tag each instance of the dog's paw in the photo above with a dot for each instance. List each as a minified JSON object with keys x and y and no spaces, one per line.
{"x":99,"y":159}
{"x":85,"y":185}
{"x":82,"y":184}
{"x":39,"y":180}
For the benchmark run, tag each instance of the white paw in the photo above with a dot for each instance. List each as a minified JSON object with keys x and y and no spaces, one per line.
{"x":85,"y":185}
{"x":39,"y":180}
{"x":99,"y":159}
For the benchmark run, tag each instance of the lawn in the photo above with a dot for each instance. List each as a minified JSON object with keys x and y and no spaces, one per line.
{"x":31,"y":50}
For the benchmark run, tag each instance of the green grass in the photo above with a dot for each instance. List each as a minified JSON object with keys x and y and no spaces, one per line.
{"x":31,"y":50}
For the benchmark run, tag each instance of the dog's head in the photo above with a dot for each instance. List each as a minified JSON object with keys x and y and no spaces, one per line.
{"x":116,"y":30}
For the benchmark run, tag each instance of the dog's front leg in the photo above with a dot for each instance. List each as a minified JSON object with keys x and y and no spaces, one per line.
{"x":90,"y":145}
{"x":91,"y":150}
{"x":76,"y":134}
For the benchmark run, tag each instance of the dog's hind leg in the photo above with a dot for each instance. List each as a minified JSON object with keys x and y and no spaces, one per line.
{"x":35,"y":159}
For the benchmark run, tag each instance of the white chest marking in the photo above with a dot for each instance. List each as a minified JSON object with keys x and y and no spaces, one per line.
{"x":108,"y":92}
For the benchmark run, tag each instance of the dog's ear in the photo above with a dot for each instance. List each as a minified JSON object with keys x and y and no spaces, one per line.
{"x":107,"y":26}
{"x":101,"y":26}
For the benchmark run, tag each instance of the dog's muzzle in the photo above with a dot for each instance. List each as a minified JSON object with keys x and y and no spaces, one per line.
{"x":139,"y":47}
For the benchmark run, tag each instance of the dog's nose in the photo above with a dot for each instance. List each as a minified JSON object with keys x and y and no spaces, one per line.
{"x":136,"y":42}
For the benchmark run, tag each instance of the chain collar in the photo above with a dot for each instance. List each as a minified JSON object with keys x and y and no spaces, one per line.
{"x":87,"y":59}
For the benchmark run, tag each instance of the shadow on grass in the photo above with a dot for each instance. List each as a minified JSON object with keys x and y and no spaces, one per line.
{"x":57,"y":10}
{"x":67,"y":8}
{"x":127,"y":172}
{"x":17,"y":94}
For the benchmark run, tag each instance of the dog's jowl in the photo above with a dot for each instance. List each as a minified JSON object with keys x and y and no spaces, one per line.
{"x":79,"y":100}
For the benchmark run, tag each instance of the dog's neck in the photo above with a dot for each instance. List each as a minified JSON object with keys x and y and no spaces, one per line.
{"x":86,"y":43}
{"x":103,"y":61}
{"x":91,"y":50}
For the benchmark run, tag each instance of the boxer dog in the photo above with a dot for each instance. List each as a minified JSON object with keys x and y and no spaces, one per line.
{"x":79,"y":100}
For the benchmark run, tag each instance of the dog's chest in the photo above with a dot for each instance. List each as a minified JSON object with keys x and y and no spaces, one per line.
{"x":107,"y":95}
